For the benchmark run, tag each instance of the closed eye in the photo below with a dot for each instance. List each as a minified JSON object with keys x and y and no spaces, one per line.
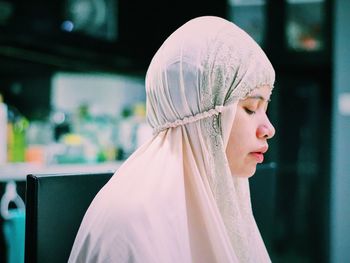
{"x":250,"y":112}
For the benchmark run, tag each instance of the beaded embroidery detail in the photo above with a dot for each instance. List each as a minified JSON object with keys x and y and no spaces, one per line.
{"x":189,"y":119}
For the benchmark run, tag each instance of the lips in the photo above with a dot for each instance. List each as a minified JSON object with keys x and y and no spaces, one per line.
{"x":258,"y":156}
{"x":259,"y":153}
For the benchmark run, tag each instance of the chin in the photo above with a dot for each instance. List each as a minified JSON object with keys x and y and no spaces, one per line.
{"x":245,"y":174}
{"x":253,"y":171}
{"x":248,"y":171}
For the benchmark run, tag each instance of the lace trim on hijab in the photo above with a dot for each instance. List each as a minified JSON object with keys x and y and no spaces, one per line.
{"x":189,"y":119}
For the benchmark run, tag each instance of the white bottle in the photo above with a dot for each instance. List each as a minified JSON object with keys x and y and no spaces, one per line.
{"x":3,"y":132}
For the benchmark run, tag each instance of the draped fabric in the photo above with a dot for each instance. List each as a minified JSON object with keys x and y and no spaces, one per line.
{"x":175,"y":199}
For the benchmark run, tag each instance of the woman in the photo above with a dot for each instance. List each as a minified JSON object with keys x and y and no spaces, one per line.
{"x":184,"y":195}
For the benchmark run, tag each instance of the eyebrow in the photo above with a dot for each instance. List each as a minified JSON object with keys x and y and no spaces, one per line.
{"x":259,"y":97}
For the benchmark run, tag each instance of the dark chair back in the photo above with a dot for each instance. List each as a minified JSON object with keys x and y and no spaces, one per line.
{"x":56,"y":204}
{"x":55,"y":207}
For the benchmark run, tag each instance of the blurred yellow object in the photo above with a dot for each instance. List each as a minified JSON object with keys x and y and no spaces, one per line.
{"x":140,"y":109}
{"x":16,"y":139}
{"x":72,"y":139}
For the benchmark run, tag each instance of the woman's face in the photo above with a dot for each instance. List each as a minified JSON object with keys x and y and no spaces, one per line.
{"x":250,"y":131}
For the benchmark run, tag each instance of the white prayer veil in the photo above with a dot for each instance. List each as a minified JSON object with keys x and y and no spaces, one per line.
{"x":175,"y":199}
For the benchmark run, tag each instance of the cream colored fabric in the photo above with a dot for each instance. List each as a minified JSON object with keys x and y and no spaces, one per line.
{"x":174,"y":199}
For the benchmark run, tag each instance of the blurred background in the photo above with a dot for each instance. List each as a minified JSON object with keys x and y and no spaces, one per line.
{"x":73,"y":97}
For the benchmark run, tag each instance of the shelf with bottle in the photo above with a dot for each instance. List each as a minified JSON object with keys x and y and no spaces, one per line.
{"x":305,"y":25}
{"x":299,"y":34}
{"x":250,"y":15}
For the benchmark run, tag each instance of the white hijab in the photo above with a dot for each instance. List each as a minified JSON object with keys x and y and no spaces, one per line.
{"x":175,"y":199}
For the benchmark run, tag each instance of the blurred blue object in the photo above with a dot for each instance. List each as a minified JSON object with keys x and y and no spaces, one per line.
{"x":14,"y":229}
{"x":14,"y":223}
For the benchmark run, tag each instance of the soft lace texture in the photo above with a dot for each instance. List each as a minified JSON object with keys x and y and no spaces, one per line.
{"x":175,"y":199}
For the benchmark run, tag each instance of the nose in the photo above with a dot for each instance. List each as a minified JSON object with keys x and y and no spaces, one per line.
{"x":265,"y":130}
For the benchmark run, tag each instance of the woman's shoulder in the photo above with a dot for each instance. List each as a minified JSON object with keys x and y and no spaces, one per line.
{"x":124,"y":202}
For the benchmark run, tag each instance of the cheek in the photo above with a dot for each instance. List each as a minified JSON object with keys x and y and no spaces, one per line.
{"x":242,"y":128}
{"x":233,"y":145}
{"x":238,"y":146}
{"x":234,"y":150}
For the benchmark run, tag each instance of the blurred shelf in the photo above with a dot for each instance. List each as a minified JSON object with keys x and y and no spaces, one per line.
{"x":247,"y":2}
{"x":19,"y":171}
{"x":304,"y":1}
